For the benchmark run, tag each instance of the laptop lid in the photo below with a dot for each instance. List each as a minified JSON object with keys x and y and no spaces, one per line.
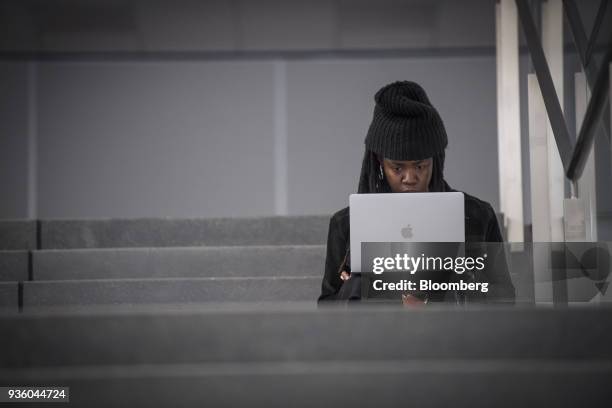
{"x":404,"y":217}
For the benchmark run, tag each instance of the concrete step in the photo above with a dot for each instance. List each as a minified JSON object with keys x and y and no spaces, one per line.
{"x":177,"y":290}
{"x":17,"y":234}
{"x":278,"y":334}
{"x":8,"y":296}
{"x":165,"y":308}
{"x":334,"y":383}
{"x":14,"y":265}
{"x":156,"y":232}
{"x":196,"y":262}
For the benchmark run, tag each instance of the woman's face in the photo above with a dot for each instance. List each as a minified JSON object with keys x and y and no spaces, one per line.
{"x":412,"y":176}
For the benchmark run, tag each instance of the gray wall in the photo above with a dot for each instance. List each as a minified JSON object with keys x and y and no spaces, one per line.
{"x":122,"y":139}
{"x":179,"y":139}
{"x":243,"y":25}
{"x":13,"y":140}
{"x":200,"y":129}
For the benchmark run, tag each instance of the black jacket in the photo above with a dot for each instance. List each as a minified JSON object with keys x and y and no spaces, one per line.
{"x":480,"y":226}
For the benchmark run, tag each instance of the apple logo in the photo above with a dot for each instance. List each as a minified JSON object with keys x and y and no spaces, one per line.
{"x":407,"y":231}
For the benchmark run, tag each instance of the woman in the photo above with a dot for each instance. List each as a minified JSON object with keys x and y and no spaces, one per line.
{"x":405,"y":153}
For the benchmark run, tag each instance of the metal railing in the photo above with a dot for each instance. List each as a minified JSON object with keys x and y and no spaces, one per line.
{"x":573,"y":156}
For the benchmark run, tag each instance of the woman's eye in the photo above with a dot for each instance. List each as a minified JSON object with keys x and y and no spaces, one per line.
{"x":398,"y":169}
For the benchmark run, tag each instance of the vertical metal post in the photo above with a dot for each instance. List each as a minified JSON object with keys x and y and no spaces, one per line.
{"x":540,"y":203}
{"x":586,"y":185}
{"x":552,"y":42}
{"x":508,"y":120}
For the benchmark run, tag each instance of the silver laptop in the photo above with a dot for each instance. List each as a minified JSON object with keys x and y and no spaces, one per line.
{"x":404,"y":217}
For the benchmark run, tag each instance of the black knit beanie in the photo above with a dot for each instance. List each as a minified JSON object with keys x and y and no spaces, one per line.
{"x":405,"y":125}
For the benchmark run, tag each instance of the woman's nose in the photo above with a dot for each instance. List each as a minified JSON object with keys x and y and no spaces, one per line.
{"x":410,"y":177}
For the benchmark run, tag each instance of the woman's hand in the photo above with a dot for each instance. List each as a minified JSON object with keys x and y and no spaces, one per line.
{"x":412,"y":301}
{"x":344,"y":275}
